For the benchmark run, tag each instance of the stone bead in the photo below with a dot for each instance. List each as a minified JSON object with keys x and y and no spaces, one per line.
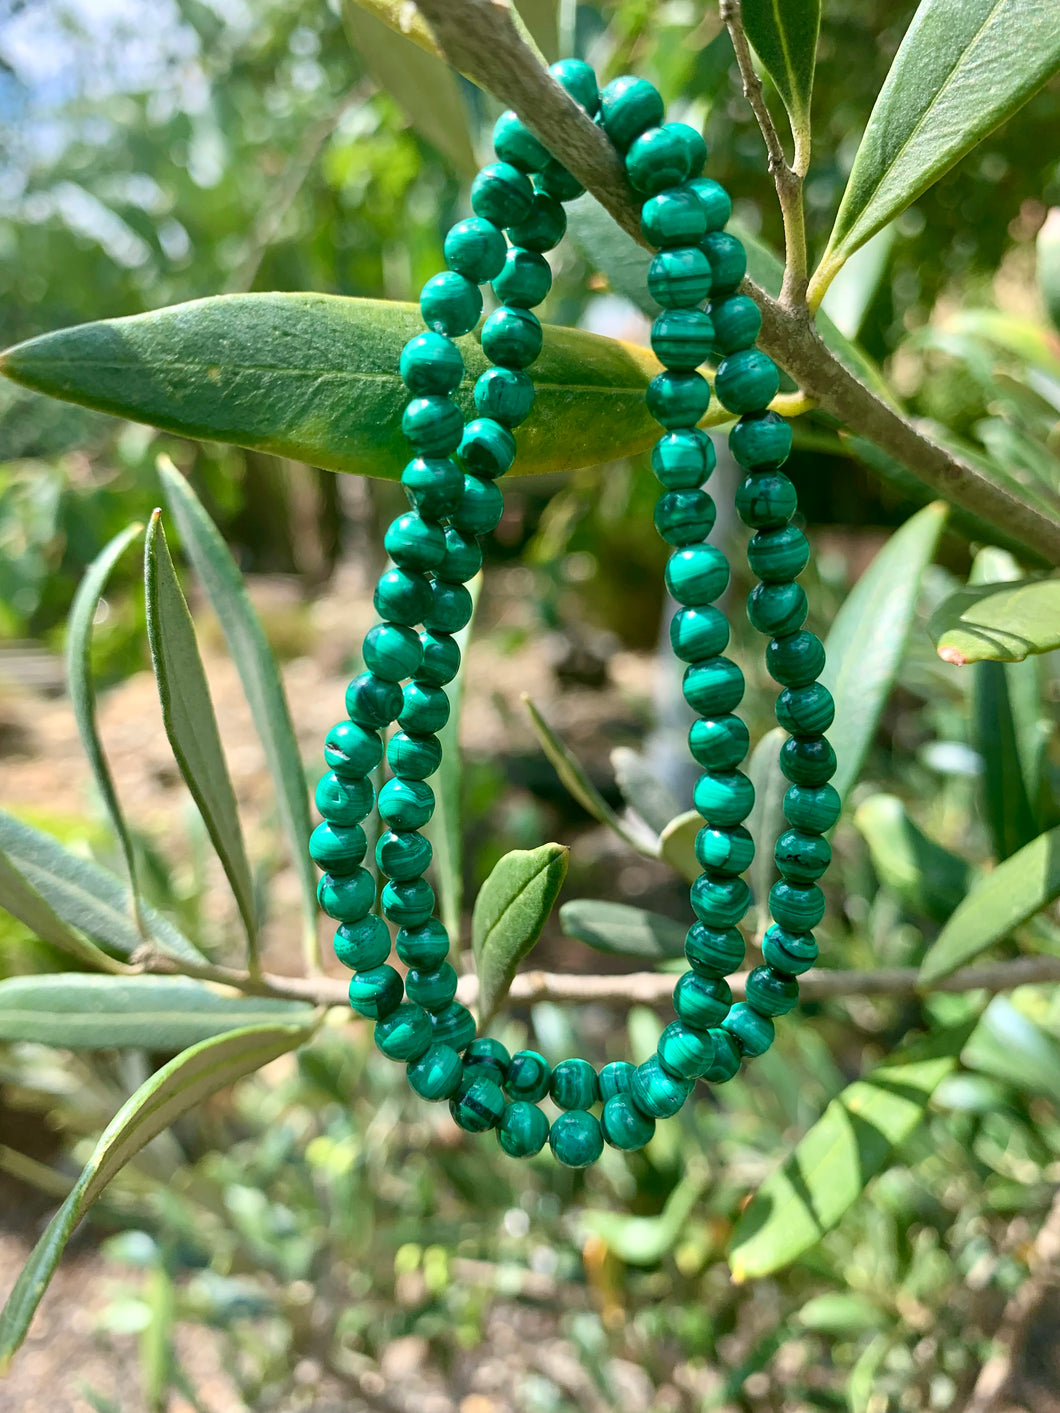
{"x":347,"y":897}
{"x":462,"y":559}
{"x":685,"y":1052}
{"x":777,"y":609}
{"x":765,"y":500}
{"x":408,"y":904}
{"x":697,"y":574}
{"x":402,"y":596}
{"x":406,"y":804}
{"x":746,"y":381}
{"x":511,"y":338}
{"x":770,"y":993}
{"x":433,"y":425}
{"x":714,"y":199}
{"x":352,"y":749}
{"x":720,"y":901}
{"x":727,"y":1057}
{"x":714,"y":952}
{"x":433,"y":485}
{"x":657,"y":1093}
{"x":375,"y":992}
{"x":441,"y":658}
{"x":392,"y":652}
{"x":683,"y":460}
{"x":728,"y":261}
{"x":726,"y":851}
{"x":679,"y":278}
{"x":543,"y":228}
{"x":674,"y":218}
{"x":486,"y":449}
{"x":713,"y":687}
{"x":523,"y":1130}
{"x":477,"y":1105}
{"x":698,"y":633}
{"x":431,"y":364}
{"x":502,"y":194}
{"x":694,"y":145}
{"x":423,"y":948}
{"x":475,"y":248}
{"x":405,"y":1034}
{"x":528,"y":1076}
{"x":796,"y":907}
{"x":678,"y":399}
{"x":575,"y":1139}
{"x":505,"y":394}
{"x":682,"y":338}
{"x":777,"y":555}
{"x":802,"y":857}
{"x":481,"y":509}
{"x":556,"y":181}
{"x":403,"y":855}
{"x":623,"y":1125}
{"x":525,"y":279}
{"x":436,"y":1075}
{"x":657,"y":159}
{"x":488,"y":1057}
{"x":813,"y":808}
{"x":702,"y":1001}
{"x":413,"y":542}
{"x":454,"y":1026}
{"x":515,"y":144}
{"x":451,"y":609}
{"x":614,"y":1079}
{"x":337,"y":848}
{"x":413,"y":757}
{"x":753,"y":1033}
{"x":791,"y":953}
{"x":760,"y":439}
{"x":628,"y":106}
{"x":807,"y":760}
{"x":719,"y":744}
{"x":806,"y":711}
{"x":684,"y":517}
{"x":433,"y":990}
{"x":795,"y":660}
{"x":451,"y":304}
{"x":737,"y":322}
{"x":579,"y":80}
{"x":372,"y":701}
{"x":574,"y":1085}
{"x":362,"y":945}
{"x":342,"y":800}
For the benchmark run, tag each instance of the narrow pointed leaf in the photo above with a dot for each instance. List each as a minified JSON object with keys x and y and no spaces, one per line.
{"x":766,"y":820}
{"x":1003,"y":622}
{"x":929,"y":880}
{"x":622,"y":930}
{"x":1006,"y":801}
{"x":22,"y":901}
{"x":511,"y":909}
{"x":784,"y":35}
{"x":644,"y":1241}
{"x":573,"y":775}
{"x":1010,"y":1046}
{"x":677,"y":845}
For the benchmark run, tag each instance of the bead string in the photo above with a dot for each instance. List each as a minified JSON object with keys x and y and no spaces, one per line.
{"x":434,"y":549}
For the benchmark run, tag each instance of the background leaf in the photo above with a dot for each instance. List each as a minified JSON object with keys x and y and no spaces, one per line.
{"x":677,"y":845}
{"x":618,"y":928}
{"x":1009,"y":1045}
{"x":572,"y":773}
{"x":1001,"y":739}
{"x":766,"y":820}
{"x":643,"y":789}
{"x":784,"y":34}
{"x":929,"y":880}
{"x":998,"y":622}
{"x":22,"y":901}
{"x":511,"y":909}
{"x":644,"y":1241}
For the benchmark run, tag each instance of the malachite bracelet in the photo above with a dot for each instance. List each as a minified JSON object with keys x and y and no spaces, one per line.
{"x":451,"y":482}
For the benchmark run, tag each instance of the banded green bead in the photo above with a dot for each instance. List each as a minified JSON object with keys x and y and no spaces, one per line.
{"x":797,"y":907}
{"x":678,"y":400}
{"x":391,"y":651}
{"x":575,"y":1139}
{"x":477,"y":1105}
{"x":523,"y":1130}
{"x":719,"y":744}
{"x":697,"y":574}
{"x":441,"y":658}
{"x":529,"y":1076}
{"x":450,"y":304}
{"x":405,"y":1034}
{"x":362,"y":945}
{"x":726,"y":851}
{"x":807,"y":760}
{"x":481,"y":508}
{"x":372,"y":701}
{"x":714,"y":686}
{"x":714,"y":199}
{"x":674,"y":218}
{"x":778,"y":555}
{"x":337,"y":848}
{"x":795,"y":660}
{"x":719,"y":901}
{"x":556,"y":181}
{"x":684,"y":517}
{"x":685,"y":1052}
{"x":679,"y":278}
{"x":658,"y":158}
{"x":502,"y":194}
{"x":451,"y":609}
{"x":765,"y":500}
{"x":714,"y":952}
{"x":806,"y":711}
{"x":746,"y":381}
{"x":737,"y":322}
{"x":727,"y":1057}
{"x":525,"y":279}
{"x":433,"y":425}
{"x":413,"y":542}
{"x":352,"y":749}
{"x":760,"y":439}
{"x":628,"y":106}
{"x":342,"y":800}
{"x":814,"y":808}
{"x":614,"y":1079}
{"x":489,"y":1057}
{"x":375,"y":992}
{"x":727,"y":259}
{"x":574,"y":1084}
{"x":543,"y":228}
{"x":702,"y":1001}
{"x":683,"y":460}
{"x":722,"y":796}
{"x":682,"y":338}
{"x":623,"y":1125}
{"x":802,"y":857}
{"x":752,"y":1032}
{"x":462,"y":559}
{"x":475,"y":248}
{"x":402,"y":596}
{"x":504,"y":394}
{"x":431,"y":364}
{"x":790,"y":953}
{"x":770,"y":993}
{"x":511,"y":338}
{"x":405,"y":804}
{"x":777,"y":609}
{"x":413,"y":757}
{"x":433,"y":990}
{"x":694,"y":145}
{"x":437,"y":1074}
{"x":657,"y":1093}
{"x":433,"y":485}
{"x":455,"y":1026}
{"x":486,"y":449}
{"x":579,"y":80}
{"x":408,"y":904}
{"x":423,"y":948}
{"x":347,"y":897}
{"x":515,"y":144}
{"x":698,"y":633}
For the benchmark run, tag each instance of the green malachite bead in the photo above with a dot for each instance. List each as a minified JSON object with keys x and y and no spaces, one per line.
{"x":392,"y":652}
{"x":697,"y":574}
{"x":481,"y":509}
{"x":505,"y":394}
{"x":678,"y":400}
{"x":413,"y":757}
{"x":502,"y":194}
{"x":806,"y":711}
{"x":802,"y":857}
{"x":615,"y":1079}
{"x":525,"y":279}
{"x":424,"y":948}
{"x":406,"y":804}
{"x":408,"y":904}
{"x":511,"y":338}
{"x":477,"y":1105}
{"x":765,"y":500}
{"x":728,"y":261}
{"x":375,"y":992}
{"x":362,"y":945}
{"x":720,"y":901}
{"x":746,"y":381}
{"x":789,"y":952}
{"x":727,"y":1058}
{"x":336,"y":847}
{"x":714,"y":199}
{"x":544,"y":228}
{"x":813,"y":808}
{"x":760,"y":440}
{"x":577,"y":77}
{"x":523,"y":1130}
{"x":697,"y":633}
{"x":372,"y":701}
{"x":437,"y":1074}
{"x":628,"y":106}
{"x":431,"y":364}
{"x":402,"y":596}
{"x":342,"y":800}
{"x":515,"y":144}
{"x":770,"y":993}
{"x":462,"y":559}
{"x":475,"y":249}
{"x":575,"y":1139}
{"x":702,"y":1001}
{"x":433,"y":425}
{"x":529,"y":1075}
{"x":778,"y":555}
{"x":451,"y":608}
{"x":679,"y":278}
{"x":441,"y":658}
{"x":454,"y":1026}
{"x":404,"y":855}
{"x":450,"y":304}
{"x":713,"y":687}
{"x":796,"y":660}
{"x":624,"y":1126}
{"x":736,"y":323}
{"x":405,"y":1034}
{"x":682,"y":338}
{"x":555,"y":181}
{"x":353,"y":750}
{"x":694,"y":146}
{"x":486,"y":449}
{"x":574,"y":1085}
{"x":684,"y":517}
{"x":433,"y":990}
{"x":656,"y":1092}
{"x":777,"y":608}
{"x":723,"y":796}
{"x":674,"y":218}
{"x":807,"y":760}
{"x":683,"y":460}
{"x":413,"y":542}
{"x":347,"y":897}
{"x":726,"y":851}
{"x":489,"y":1057}
{"x":433,"y":485}
{"x":685,"y":1052}
{"x":797,"y":907}
{"x":713,"y":952}
{"x":720,"y":744}
{"x":753,"y":1033}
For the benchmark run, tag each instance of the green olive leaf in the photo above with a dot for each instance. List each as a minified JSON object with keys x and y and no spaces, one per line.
{"x":623,"y":930}
{"x":1003,"y":622}
{"x":929,"y":880}
{"x":784,"y":35}
{"x":511,"y":909}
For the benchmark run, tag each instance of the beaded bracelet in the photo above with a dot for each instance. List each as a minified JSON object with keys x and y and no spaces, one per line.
{"x":434,"y":550}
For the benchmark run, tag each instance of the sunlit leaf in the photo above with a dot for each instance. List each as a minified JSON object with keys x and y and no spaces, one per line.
{"x":511,"y":909}
{"x":22,"y":901}
{"x":1010,"y":1046}
{"x":927,"y":878}
{"x":677,"y":845}
{"x":644,"y":1241}
{"x":1002,"y":622}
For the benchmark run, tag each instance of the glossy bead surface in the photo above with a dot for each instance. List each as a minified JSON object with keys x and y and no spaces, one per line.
{"x":719,"y":744}
{"x":413,"y":757}
{"x":778,"y":555}
{"x":481,"y":508}
{"x":523,"y":1130}
{"x":543,"y":228}
{"x":628,"y":106}
{"x":697,"y":633}
{"x":433,"y":990}
{"x":477,"y":1105}
{"x":746,"y":381}
{"x":515,"y":144}
{"x":405,"y":1034}
{"x":657,"y":159}
{"x":624,"y":1126}
{"x":352,"y":749}
{"x":413,"y":542}
{"x":719,"y":901}
{"x":614,"y":1079}
{"x":402,"y":596}
{"x":489,"y":1057}
{"x":656,"y":1092}
{"x":770,"y":993}
{"x":450,"y":304}
{"x":362,"y":945}
{"x":408,"y":904}
{"x":682,"y":338}
{"x":433,"y":425}
{"x":752,"y":1032}
{"x":372,"y":702}
{"x":436,"y":1075}
{"x":475,"y":248}
{"x":795,"y":660}
{"x":455,"y":1026}
{"x":683,"y":460}
{"x":431,"y":364}
{"x":702,"y":1001}
{"x":505,"y":394}
{"x":766,"y":500}
{"x":674,"y":218}
{"x":806,"y":711}
{"x":575,"y":1139}
{"x":441,"y":658}
{"x":760,"y":440}
{"x":556,"y":181}
{"x":694,"y":145}
{"x":736,"y":321}
{"x":684,"y":517}
{"x":807,"y":760}
{"x":511,"y":338}
{"x":727,"y":1057}
{"x":713,"y":687}
{"x":679,"y":278}
{"x":525,"y":279}
{"x":678,"y":399}
{"x":697,"y":575}
{"x":813,"y":808}
{"x":723,"y":796}
{"x":502,"y":194}
{"x":802,"y":857}
{"x":337,"y":848}
{"x":347,"y":897}
{"x":685,"y":1052}
{"x":424,"y":948}
{"x":391,"y":651}
{"x":451,"y":608}
{"x":728,"y":262}
{"x":463,"y":556}
{"x":714,"y":952}
{"x":791,"y":953}
{"x":433,"y":485}
{"x":406,"y":804}
{"x":579,"y":80}
{"x":342,"y":800}
{"x":727,"y":851}
{"x":574,"y":1084}
{"x":487,"y":449}
{"x":375,"y":992}
{"x":714,"y":199}
{"x":777,"y":608}
{"x":529,"y":1076}
{"x":796,"y":907}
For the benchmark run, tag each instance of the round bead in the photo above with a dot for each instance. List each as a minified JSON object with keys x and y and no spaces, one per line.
{"x":728,"y":261}
{"x":451,"y":304}
{"x":813,"y":808}
{"x":528,"y":1077}
{"x":574,"y":1084}
{"x":682,"y":338}
{"x":489,"y":1057}
{"x":436,"y":1074}
{"x":696,"y":575}
{"x":674,"y":218}
{"x":766,"y":500}
{"x":575,"y":1139}
{"x":413,"y":757}
{"x":347,"y":897}
{"x":342,"y":800}
{"x":796,"y":907}
{"x":501,"y":194}
{"x":505,"y":394}
{"x":615,"y":1079}
{"x":352,"y":749}
{"x":727,"y":1056}
{"x":433,"y":990}
{"x":454,"y":1026}
{"x":684,"y":1052}
{"x":777,"y":555}
{"x":555,"y":181}
{"x":525,"y":279}
{"x":795,"y":660}
{"x":511,"y":338}
{"x":391,"y":651}
{"x":413,"y":542}
{"x":624,"y":1126}
{"x":656,"y":1092}
{"x":736,"y":321}
{"x":405,"y":1034}
{"x":760,"y":439}
{"x":723,"y":797}
{"x":658,"y":158}
{"x":515,"y":144}
{"x":336,"y":847}
{"x":462,"y":559}
{"x":725,"y":851}
{"x":777,"y":608}
{"x":713,"y":687}
{"x":746,"y":381}
{"x":486,"y":449}
{"x":475,"y":249}
{"x":477,"y":1105}
{"x":694,"y":145}
{"x":806,"y":711}
{"x":713,"y":952}
{"x":719,"y":902}
{"x":679,"y":278}
{"x":441,"y":659}
{"x":433,"y":425}
{"x":523,"y":1130}
{"x":791,"y":953}
{"x":403,"y":855}
{"x":402,"y":596}
{"x":375,"y":992}
{"x":406,"y":804}
{"x":678,"y":399}
{"x":431,"y":364}
{"x":807,"y":760}
{"x":408,"y":904}
{"x":702,"y":1001}
{"x":698,"y":633}
{"x":433,"y":485}
{"x":714,"y":199}
{"x":720,"y":744}
{"x":579,"y":80}
{"x":770,"y":993}
{"x":628,"y":106}
{"x":451,"y":608}
{"x":423,"y":948}
{"x":684,"y":517}
{"x":372,"y":701}
{"x":753,"y":1033}
{"x":543,"y":228}
{"x":683,"y":460}
{"x":481,"y":508}
{"x":362,"y":945}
